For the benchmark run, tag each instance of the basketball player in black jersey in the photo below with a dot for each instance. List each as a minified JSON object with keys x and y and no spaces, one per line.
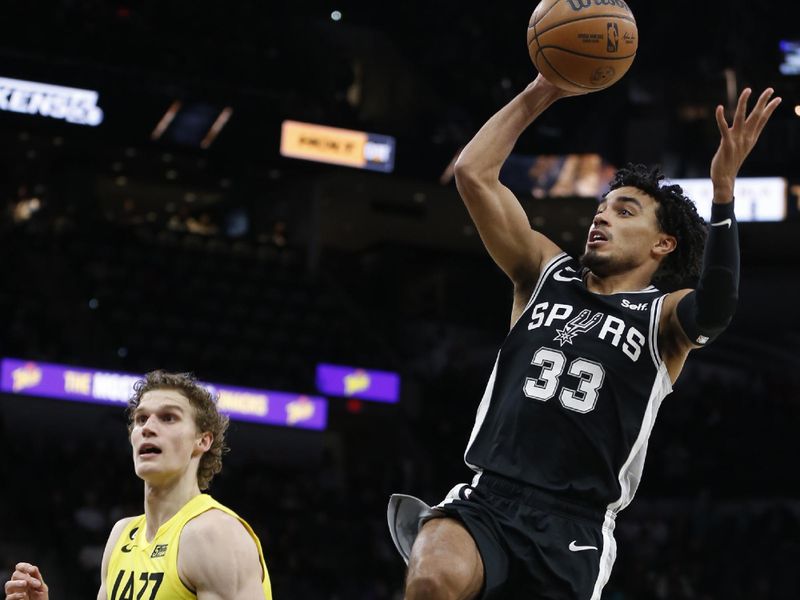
{"x":561,"y":432}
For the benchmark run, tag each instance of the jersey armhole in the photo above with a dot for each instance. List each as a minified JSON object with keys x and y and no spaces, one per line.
{"x":548,"y":270}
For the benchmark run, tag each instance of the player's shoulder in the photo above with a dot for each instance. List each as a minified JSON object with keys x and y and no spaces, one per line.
{"x":113,"y":538}
{"x":562,"y":267}
{"x":213,"y":526}
{"x":118,"y":528}
{"x":551,"y":254}
{"x":214,"y":545}
{"x":671,"y":300}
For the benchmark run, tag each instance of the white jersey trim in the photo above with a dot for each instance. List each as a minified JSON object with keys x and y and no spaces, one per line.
{"x":631,"y":472}
{"x":608,"y":556}
{"x":647,"y":290}
{"x":652,"y":334}
{"x":483,"y":407}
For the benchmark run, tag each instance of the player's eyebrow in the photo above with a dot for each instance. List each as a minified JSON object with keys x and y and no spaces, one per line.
{"x":629,"y":199}
{"x":163,"y":407}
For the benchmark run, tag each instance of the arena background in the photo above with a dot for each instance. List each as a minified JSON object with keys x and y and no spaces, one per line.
{"x":127,"y":246}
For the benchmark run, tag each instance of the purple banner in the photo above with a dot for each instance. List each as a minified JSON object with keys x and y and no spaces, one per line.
{"x":102,"y":387}
{"x":351,"y":382}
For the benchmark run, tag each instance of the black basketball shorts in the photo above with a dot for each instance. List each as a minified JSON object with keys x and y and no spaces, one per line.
{"x":533,"y":545}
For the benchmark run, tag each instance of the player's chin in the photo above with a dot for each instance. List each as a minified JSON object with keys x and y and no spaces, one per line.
{"x":595,"y":260}
{"x":143,"y":469}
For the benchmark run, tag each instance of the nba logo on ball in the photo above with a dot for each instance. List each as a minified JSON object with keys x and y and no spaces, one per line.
{"x":565,"y":42}
{"x":612,"y":38}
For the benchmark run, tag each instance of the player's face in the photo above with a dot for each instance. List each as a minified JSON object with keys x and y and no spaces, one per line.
{"x":164,"y":437}
{"x":625,"y":233}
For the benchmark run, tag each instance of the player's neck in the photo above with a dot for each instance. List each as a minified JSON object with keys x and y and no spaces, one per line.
{"x":629,"y":281}
{"x":162,"y":501}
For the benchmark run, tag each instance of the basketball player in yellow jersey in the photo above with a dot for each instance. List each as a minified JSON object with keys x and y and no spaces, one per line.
{"x":186,"y":545}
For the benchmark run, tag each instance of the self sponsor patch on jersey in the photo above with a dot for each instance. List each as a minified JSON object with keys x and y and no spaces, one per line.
{"x":632,"y":306}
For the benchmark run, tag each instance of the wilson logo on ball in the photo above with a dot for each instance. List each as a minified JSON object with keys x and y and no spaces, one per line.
{"x":577,"y":5}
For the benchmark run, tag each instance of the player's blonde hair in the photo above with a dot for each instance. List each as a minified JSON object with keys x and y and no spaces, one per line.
{"x":206,"y":415}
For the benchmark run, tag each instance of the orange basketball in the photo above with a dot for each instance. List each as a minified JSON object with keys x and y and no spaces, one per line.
{"x":582,"y":45}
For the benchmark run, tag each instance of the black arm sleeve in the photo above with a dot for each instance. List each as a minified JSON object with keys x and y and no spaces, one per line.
{"x":705,"y":312}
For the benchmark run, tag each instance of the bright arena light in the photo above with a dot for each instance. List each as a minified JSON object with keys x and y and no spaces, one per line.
{"x":336,"y":15}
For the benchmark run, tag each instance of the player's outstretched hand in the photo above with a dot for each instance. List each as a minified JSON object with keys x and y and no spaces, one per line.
{"x":26,"y":584}
{"x":738,"y":140}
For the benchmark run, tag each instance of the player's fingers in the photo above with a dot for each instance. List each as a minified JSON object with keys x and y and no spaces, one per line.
{"x":758,"y":109}
{"x":721,"y":122}
{"x":29,"y":569}
{"x":26,"y":581}
{"x":30,"y":580}
{"x":23,"y":567}
{"x":763,"y":99}
{"x":16,"y":586}
{"x":741,"y":108}
{"x":770,"y":108}
{"x":35,"y":572}
{"x":17,"y":596}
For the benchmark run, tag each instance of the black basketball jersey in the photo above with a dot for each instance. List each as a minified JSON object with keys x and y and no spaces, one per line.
{"x":575,"y":391}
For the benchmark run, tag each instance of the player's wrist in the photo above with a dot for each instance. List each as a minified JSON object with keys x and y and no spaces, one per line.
{"x":723,"y":191}
{"x":540,"y":88}
{"x":722,"y":210}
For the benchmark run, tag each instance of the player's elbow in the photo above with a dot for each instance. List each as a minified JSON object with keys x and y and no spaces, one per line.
{"x":717,"y":297}
{"x":468,"y":172}
{"x":473,"y":187}
{"x":463,"y":171}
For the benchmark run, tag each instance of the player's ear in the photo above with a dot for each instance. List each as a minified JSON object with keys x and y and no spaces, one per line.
{"x":665,"y":244}
{"x":204,"y":441}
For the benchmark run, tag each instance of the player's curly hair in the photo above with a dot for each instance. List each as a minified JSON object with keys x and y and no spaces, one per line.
{"x":206,"y":415}
{"x":677,"y":216}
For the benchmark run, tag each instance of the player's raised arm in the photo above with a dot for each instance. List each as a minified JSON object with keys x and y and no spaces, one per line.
{"x":498,"y":215}
{"x":692,"y":318}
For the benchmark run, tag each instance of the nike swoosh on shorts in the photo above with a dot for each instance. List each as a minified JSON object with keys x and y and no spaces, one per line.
{"x":575,"y":548}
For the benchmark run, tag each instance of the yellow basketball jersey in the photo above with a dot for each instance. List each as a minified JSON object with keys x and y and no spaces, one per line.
{"x":141,"y":570}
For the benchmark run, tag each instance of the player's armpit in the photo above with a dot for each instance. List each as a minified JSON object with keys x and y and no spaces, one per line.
{"x":218,"y":558}
{"x":504,"y":227}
